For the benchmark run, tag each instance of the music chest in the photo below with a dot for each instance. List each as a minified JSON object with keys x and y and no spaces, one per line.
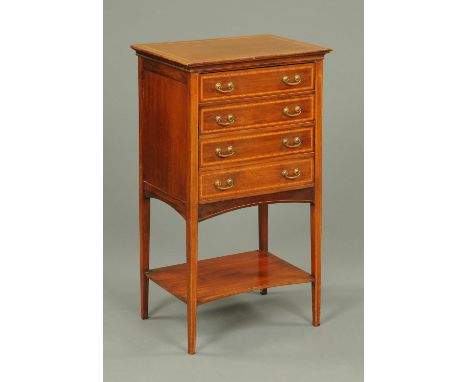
{"x":225,"y":124}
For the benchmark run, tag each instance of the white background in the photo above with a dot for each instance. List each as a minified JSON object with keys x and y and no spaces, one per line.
{"x":416,"y":191}
{"x":51,"y":191}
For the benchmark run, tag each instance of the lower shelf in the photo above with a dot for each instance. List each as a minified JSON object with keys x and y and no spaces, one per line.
{"x":229,"y":275}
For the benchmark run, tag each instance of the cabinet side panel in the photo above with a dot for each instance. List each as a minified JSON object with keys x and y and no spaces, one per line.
{"x":164,"y":131}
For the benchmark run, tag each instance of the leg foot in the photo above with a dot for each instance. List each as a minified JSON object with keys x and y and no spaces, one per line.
{"x":192,"y":327}
{"x":315,"y":305}
{"x":144,"y":298}
{"x":263,"y":232}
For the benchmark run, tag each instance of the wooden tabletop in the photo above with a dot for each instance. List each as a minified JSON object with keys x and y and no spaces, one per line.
{"x":228,"y":50}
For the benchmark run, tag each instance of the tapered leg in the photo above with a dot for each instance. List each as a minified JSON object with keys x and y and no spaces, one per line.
{"x":144,"y":215}
{"x":191,"y":217}
{"x":316,"y":235}
{"x":316,"y":207}
{"x":192,"y":259}
{"x":263,"y":231}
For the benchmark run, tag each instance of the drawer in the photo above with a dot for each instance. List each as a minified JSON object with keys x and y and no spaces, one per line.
{"x":291,"y":173}
{"x":256,"y":82}
{"x":258,"y":114}
{"x":233,"y":149}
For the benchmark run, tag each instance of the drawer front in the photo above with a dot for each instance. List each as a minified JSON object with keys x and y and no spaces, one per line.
{"x":256,"y":179}
{"x":225,"y":150}
{"x":256,"y":82}
{"x":258,"y":114}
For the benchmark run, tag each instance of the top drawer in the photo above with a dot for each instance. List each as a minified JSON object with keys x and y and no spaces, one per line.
{"x":255,"y":82}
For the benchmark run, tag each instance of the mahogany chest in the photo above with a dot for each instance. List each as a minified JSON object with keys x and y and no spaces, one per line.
{"x":225,"y":124}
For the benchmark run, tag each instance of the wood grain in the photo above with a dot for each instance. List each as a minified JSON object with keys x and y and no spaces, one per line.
{"x":249,"y":115}
{"x":229,"y":275}
{"x":257,"y":82}
{"x":164,"y":127}
{"x":165,"y":70}
{"x":228,"y":50}
{"x":257,"y":179}
{"x":253,"y":146}
{"x":209,"y":210}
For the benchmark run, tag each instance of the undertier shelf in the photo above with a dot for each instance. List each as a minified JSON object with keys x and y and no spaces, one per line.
{"x":230,"y":275}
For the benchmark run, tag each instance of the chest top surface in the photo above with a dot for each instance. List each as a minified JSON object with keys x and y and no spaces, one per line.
{"x":228,"y":50}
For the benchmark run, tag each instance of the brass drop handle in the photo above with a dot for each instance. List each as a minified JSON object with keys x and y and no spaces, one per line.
{"x":297,"y":80}
{"x":219,"y":87}
{"x":230,"y":120}
{"x":297,"y":142}
{"x":230,"y":151}
{"x":229,"y":184}
{"x":297,"y":110}
{"x":297,"y":174}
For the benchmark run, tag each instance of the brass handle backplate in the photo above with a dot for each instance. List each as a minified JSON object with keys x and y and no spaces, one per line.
{"x":297,"y":142}
{"x":230,"y":151}
{"x":230,"y":120}
{"x":229,"y":184}
{"x":219,"y":87}
{"x":297,"y":110}
{"x":297,"y":80}
{"x":297,"y":174}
